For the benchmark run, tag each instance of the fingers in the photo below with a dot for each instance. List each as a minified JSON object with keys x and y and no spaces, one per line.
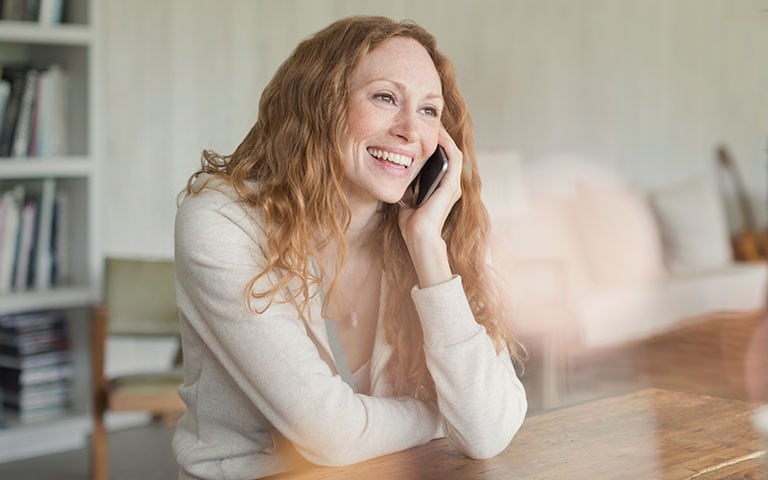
{"x":444,"y":139}
{"x":452,"y":179}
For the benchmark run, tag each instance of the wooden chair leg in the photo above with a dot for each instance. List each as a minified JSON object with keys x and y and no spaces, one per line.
{"x":99,"y":445}
{"x":99,"y":451}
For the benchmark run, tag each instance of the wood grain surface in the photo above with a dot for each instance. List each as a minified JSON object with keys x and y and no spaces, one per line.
{"x":649,"y":434}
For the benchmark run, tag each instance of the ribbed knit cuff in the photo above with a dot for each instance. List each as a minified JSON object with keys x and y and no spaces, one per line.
{"x":446,"y":318}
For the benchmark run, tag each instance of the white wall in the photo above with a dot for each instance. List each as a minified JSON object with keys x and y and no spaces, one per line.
{"x":644,"y":86}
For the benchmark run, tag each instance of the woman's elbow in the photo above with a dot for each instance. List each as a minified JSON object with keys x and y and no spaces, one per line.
{"x":484,"y":452}
{"x":337,"y":451}
{"x":488,"y":446}
{"x":496,"y":437}
{"x":329,"y":456}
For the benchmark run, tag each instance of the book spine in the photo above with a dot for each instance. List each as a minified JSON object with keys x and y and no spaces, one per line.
{"x":31,"y":10}
{"x":5,"y":92}
{"x":61,"y":271}
{"x":13,"y":10}
{"x":51,"y":12}
{"x":43,"y":259}
{"x":27,"y":239}
{"x":21,"y":137}
{"x":12,"y":200}
{"x":16,"y":77}
{"x":50,"y":136}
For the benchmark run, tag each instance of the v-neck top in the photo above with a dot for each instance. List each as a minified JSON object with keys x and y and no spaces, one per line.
{"x":361,"y":378}
{"x":258,"y":375}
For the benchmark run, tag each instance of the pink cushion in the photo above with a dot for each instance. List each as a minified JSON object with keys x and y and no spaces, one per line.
{"x":544,"y":232}
{"x":618,"y":235}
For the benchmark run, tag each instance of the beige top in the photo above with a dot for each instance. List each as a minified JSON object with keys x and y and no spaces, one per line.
{"x":252,"y":379}
{"x":361,"y":378}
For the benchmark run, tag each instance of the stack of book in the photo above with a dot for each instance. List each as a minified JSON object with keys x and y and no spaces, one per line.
{"x":35,"y":366}
{"x":33,"y":236}
{"x":33,"y":111}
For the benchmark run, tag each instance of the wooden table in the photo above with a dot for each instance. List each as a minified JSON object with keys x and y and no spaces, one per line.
{"x":649,"y":434}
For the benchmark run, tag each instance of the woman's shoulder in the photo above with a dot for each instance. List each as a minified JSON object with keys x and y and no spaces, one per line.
{"x":210,"y":187}
{"x":214,"y":192}
{"x":212,"y":203}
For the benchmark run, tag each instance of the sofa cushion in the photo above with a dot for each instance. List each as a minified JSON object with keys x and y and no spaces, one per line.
{"x":529,"y":224}
{"x":693,"y":226}
{"x":566,"y":175}
{"x":542,"y":234}
{"x":620,"y":315}
{"x":618,"y":234}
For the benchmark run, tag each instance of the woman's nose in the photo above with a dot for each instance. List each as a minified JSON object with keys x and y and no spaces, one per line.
{"x":405,"y":125}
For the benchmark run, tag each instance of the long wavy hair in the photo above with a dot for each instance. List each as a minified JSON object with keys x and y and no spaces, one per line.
{"x":293,"y":152}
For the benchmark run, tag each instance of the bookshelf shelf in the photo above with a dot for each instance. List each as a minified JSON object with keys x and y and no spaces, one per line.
{"x":33,"y":33}
{"x":41,"y":167}
{"x":54,"y":298}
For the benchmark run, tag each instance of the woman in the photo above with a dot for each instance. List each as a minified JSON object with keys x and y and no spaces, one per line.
{"x":306,"y":235}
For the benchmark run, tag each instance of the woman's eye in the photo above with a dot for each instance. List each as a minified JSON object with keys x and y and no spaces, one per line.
{"x":431,"y":111}
{"x":385,"y":97}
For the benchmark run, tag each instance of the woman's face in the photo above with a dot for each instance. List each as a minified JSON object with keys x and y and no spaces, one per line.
{"x":395,"y":103}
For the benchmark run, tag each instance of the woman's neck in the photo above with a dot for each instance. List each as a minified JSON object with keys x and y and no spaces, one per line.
{"x":363,"y":220}
{"x":358,"y":238}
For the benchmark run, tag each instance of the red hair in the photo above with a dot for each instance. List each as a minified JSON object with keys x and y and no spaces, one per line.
{"x":293,"y":154}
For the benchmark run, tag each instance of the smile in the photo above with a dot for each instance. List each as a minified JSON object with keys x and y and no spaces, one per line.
{"x":395,"y":158}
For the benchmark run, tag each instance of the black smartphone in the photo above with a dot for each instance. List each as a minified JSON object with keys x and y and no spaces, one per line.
{"x":429,"y":177}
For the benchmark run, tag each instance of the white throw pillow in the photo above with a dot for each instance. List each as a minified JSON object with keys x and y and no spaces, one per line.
{"x":693,"y":226}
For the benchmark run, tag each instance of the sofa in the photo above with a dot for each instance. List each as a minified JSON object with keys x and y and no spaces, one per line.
{"x":593,"y":261}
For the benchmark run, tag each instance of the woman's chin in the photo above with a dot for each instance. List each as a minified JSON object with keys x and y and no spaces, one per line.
{"x":392,"y":196}
{"x":402,"y":198}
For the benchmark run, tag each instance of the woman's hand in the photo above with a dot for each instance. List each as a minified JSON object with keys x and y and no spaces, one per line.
{"x":422,"y":227}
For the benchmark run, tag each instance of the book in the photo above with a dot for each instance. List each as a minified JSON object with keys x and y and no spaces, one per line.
{"x":33,"y":343}
{"x":24,"y":126}
{"x":31,"y":12}
{"x":21,"y":277}
{"x":43,"y":259}
{"x":16,"y":76}
{"x":21,"y":323}
{"x":12,"y":200}
{"x":50,"y":12}
{"x":13,"y":10}
{"x":11,"y":378}
{"x":34,"y":348}
{"x":21,"y":10}
{"x":35,"y":360}
{"x":5,"y":91}
{"x":38,"y":395}
{"x":50,"y":131}
{"x":61,"y":271}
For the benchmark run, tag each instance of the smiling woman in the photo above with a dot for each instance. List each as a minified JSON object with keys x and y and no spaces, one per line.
{"x":321,"y":313}
{"x":394,"y":104}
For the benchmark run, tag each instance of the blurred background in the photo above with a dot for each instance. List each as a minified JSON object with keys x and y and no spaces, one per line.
{"x":648,"y":87}
{"x":623,"y":146}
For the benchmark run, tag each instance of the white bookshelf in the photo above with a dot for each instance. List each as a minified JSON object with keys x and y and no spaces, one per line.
{"x":72,"y":46}
{"x":58,"y":167}
{"x":30,"y":33}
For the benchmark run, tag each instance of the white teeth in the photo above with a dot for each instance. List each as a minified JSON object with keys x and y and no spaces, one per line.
{"x":403,"y":160}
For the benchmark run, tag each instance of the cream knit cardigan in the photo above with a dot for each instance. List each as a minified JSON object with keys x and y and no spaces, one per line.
{"x":252,"y":380}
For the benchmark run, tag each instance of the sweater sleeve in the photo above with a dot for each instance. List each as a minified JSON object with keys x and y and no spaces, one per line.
{"x":480,"y":398}
{"x":270,"y":355}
